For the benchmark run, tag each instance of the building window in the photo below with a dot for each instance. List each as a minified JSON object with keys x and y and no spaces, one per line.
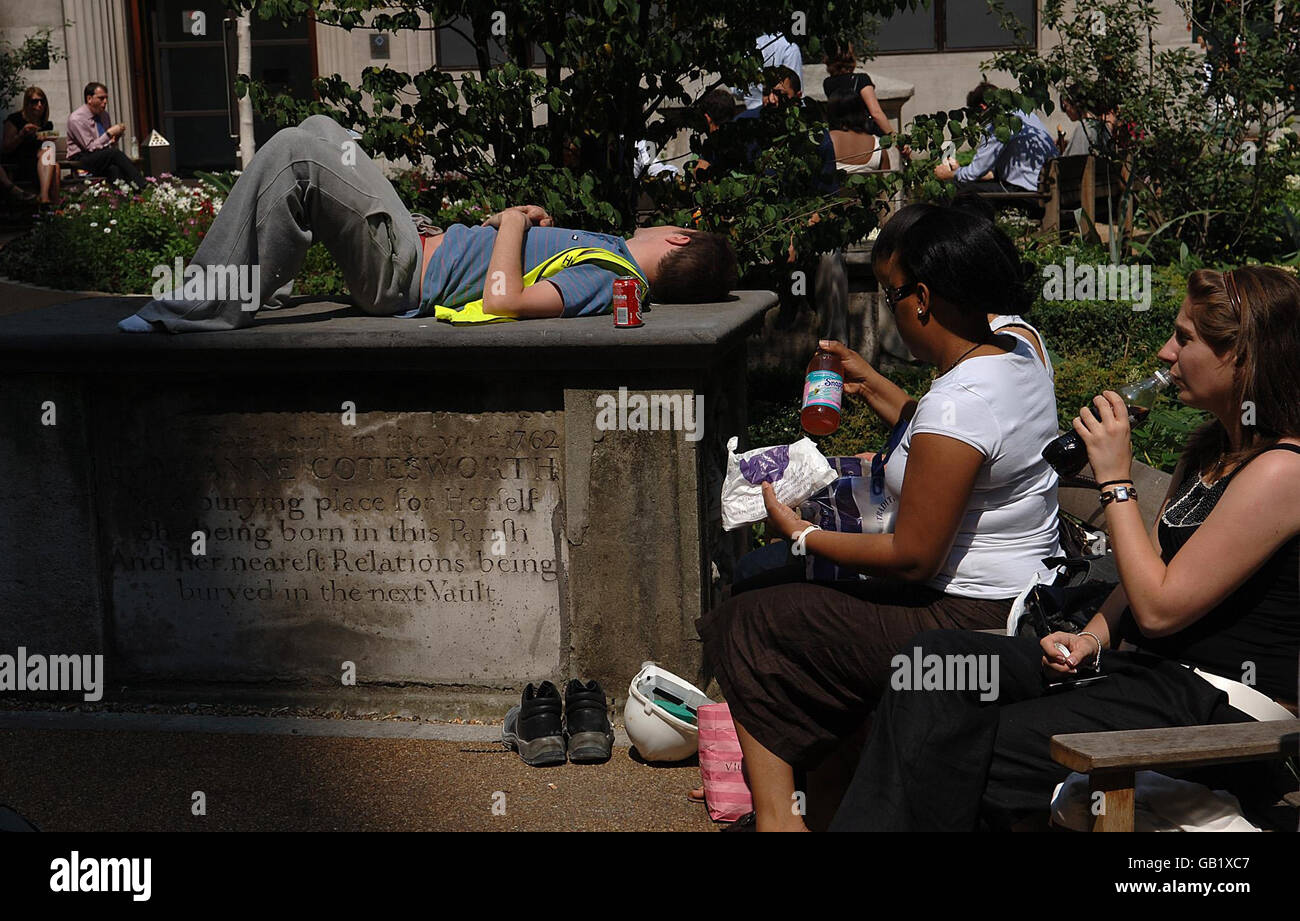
{"x":456,"y":48}
{"x":954,"y":25}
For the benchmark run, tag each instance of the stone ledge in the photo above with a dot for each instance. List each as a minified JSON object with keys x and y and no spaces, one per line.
{"x":82,"y":336}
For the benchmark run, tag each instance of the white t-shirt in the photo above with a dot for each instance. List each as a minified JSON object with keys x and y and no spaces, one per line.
{"x":1004,"y":407}
{"x":1013,"y":319}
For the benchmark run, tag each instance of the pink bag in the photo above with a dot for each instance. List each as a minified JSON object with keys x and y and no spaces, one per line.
{"x":725,"y":791}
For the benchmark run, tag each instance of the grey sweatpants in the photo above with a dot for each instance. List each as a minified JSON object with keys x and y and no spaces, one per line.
{"x":309,"y":183}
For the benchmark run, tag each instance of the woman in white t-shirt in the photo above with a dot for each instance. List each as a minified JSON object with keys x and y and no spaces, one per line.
{"x":803,"y":665}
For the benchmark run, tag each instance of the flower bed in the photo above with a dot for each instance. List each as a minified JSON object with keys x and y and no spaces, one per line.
{"x":110,"y":237}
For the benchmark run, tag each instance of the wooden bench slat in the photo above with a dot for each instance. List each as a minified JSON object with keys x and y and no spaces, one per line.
{"x":1182,"y":746}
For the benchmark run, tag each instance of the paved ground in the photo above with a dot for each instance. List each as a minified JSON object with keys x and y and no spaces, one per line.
{"x":16,"y":298}
{"x":67,"y":776}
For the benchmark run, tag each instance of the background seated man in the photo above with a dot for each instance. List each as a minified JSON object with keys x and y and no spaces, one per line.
{"x":718,"y":107}
{"x":91,"y":139}
{"x":1011,"y":167}
{"x":314,"y":183}
{"x":782,"y":88}
{"x":777,"y":51}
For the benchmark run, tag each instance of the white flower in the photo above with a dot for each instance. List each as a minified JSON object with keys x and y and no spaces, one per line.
{"x":113,"y":221}
{"x":108,"y":230}
{"x":94,"y":223}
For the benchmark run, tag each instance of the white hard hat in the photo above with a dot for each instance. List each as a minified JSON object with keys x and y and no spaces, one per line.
{"x":657,"y":734}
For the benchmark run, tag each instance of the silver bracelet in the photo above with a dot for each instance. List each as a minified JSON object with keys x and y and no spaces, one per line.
{"x":799,"y":548}
{"x":1096,"y":662}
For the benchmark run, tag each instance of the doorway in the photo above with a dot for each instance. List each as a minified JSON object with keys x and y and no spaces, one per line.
{"x":188,"y":85}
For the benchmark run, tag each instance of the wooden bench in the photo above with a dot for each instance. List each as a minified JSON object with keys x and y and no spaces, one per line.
{"x":1038,"y":198}
{"x":1082,"y":187}
{"x":70,"y":172}
{"x":1111,"y":759}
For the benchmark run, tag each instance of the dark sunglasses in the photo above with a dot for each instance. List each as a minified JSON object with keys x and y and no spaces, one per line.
{"x":35,"y":99}
{"x":895,"y":296}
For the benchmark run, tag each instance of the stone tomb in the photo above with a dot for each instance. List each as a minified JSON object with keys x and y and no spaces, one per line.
{"x":439,"y":507}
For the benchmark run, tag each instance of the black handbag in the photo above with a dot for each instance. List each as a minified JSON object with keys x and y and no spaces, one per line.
{"x":1071,"y":600}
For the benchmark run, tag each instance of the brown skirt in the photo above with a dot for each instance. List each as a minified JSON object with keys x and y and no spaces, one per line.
{"x":803,"y":665}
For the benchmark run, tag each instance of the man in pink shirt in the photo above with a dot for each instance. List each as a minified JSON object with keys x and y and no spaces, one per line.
{"x":92,"y":139}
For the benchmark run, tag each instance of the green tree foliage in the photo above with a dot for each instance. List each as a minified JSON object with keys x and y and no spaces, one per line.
{"x":563,"y":135}
{"x":36,"y":52}
{"x":1207,"y":136}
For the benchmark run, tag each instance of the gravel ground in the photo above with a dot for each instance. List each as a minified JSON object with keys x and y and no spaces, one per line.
{"x":145,"y":781}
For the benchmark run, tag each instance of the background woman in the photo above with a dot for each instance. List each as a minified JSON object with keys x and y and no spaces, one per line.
{"x":22,"y":147}
{"x":856,"y":149}
{"x":843,"y":80}
{"x":1215,"y":585}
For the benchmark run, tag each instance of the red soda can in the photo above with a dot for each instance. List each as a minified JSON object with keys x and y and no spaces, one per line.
{"x":627,"y":302}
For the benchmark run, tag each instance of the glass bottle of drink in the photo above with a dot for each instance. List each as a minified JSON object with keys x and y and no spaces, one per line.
{"x":1068,"y":454}
{"x":823,"y":391}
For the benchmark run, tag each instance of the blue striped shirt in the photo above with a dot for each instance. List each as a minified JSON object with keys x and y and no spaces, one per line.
{"x":459,"y":267}
{"x":1017,"y":162}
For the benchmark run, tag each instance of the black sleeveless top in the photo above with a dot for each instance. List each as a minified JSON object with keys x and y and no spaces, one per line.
{"x":21,"y":161}
{"x":852,"y":84}
{"x":28,"y":147}
{"x":1259,"y":622}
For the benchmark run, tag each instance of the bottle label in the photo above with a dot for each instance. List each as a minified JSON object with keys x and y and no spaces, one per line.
{"x":823,"y":388}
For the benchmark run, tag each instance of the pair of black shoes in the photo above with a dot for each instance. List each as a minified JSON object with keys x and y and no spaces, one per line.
{"x":542,"y":736}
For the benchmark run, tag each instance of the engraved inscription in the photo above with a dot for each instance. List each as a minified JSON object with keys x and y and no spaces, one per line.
{"x":422,"y":546}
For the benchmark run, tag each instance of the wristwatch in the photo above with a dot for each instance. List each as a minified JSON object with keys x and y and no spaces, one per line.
{"x":1118,"y":494}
